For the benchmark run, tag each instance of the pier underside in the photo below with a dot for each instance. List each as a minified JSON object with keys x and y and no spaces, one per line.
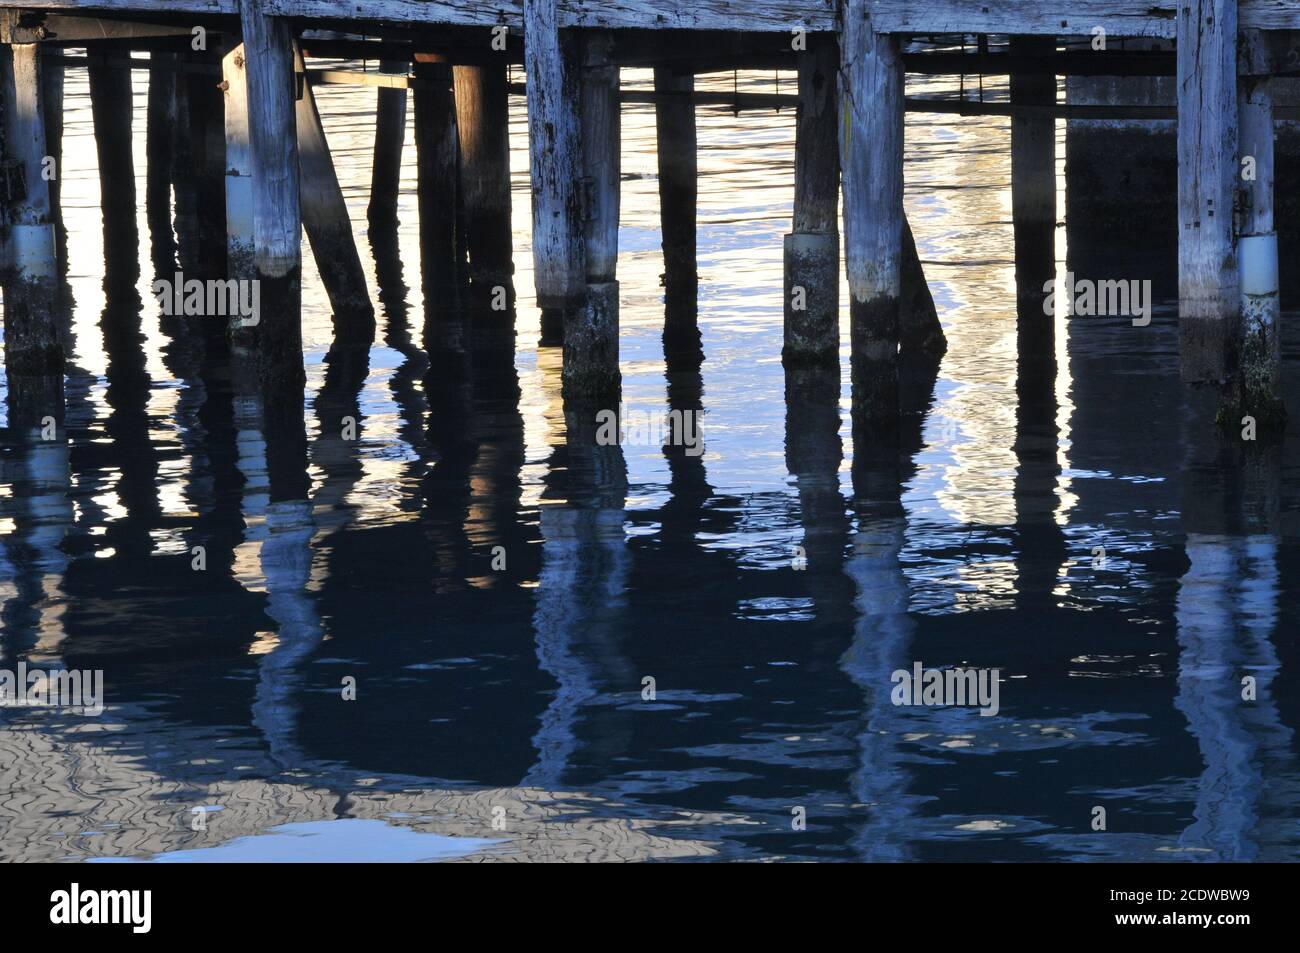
{"x":1171,"y":92}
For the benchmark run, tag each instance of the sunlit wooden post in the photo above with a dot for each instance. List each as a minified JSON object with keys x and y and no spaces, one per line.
{"x":240,"y":242}
{"x":436,"y":161}
{"x":812,"y":250}
{"x":483,"y":125}
{"x":871,"y":155}
{"x":277,"y":217}
{"x":555,"y":167}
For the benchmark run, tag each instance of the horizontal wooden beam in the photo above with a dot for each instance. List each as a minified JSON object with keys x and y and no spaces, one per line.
{"x":1140,"y":18}
{"x":343,"y":77}
{"x":772,"y":16}
{"x":708,"y":98}
{"x":123,"y":58}
{"x":1272,"y":53}
{"x":27,"y":26}
{"x":1066,"y":63}
{"x":1268,"y":15}
{"x":134,"y":7}
{"x":1150,"y":18}
{"x":1119,"y":18}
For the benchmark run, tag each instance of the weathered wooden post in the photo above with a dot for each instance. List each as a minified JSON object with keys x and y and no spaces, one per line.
{"x":436,"y":162}
{"x":591,"y":333}
{"x":277,"y":253}
{"x":1259,"y":378}
{"x":812,"y":250}
{"x":329,"y":228}
{"x":207,"y":156}
{"x":390,"y":136}
{"x":483,"y":124}
{"x":555,"y":168}
{"x":52,"y":93}
{"x":1033,"y":197}
{"x":112,"y":110}
{"x":676,"y":148}
{"x":32,"y":346}
{"x":240,"y":241}
{"x":184,"y":176}
{"x":1208,"y":283}
{"x":160,"y":120}
{"x":871,"y":155}
{"x":919,"y":330}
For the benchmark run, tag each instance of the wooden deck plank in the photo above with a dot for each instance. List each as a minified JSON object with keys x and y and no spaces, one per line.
{"x":142,"y":7}
{"x":780,"y":16}
{"x":1152,"y":18}
{"x":1141,"y":18}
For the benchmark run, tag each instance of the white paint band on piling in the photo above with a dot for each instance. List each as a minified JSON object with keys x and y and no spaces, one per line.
{"x":1257,"y":255}
{"x":32,"y":250}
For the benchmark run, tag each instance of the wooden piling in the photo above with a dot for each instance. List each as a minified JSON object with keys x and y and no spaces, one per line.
{"x":871,"y":155}
{"x":1208,"y":283}
{"x":329,"y":228}
{"x":239,"y":179}
{"x":919,"y":330}
{"x":112,"y":111}
{"x":483,"y":126}
{"x":390,"y":136}
{"x":555,"y":166}
{"x":207,"y":157}
{"x":32,"y":345}
{"x":1259,"y":378}
{"x":812,"y":250}
{"x":1033,"y":197}
{"x":160,"y":121}
{"x":812,"y":284}
{"x":52,"y":93}
{"x":676,"y":153}
{"x":185,"y":183}
{"x":277,"y":253}
{"x":591,"y":369}
{"x":591,"y":332}
{"x":601,"y":137}
{"x":436,"y":171}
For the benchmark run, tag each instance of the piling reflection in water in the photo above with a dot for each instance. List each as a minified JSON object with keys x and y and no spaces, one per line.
{"x":427,"y":515}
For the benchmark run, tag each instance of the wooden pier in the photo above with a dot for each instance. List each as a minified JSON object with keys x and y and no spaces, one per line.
{"x":234,"y":130}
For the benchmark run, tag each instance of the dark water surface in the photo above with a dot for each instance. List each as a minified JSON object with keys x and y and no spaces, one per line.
{"x":515,"y":695}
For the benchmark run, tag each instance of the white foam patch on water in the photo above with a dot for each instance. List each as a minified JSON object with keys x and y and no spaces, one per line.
{"x":347,"y":840}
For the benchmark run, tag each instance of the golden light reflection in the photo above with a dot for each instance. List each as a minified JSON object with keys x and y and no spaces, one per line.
{"x":1067,"y":498}
{"x":972,"y":274}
